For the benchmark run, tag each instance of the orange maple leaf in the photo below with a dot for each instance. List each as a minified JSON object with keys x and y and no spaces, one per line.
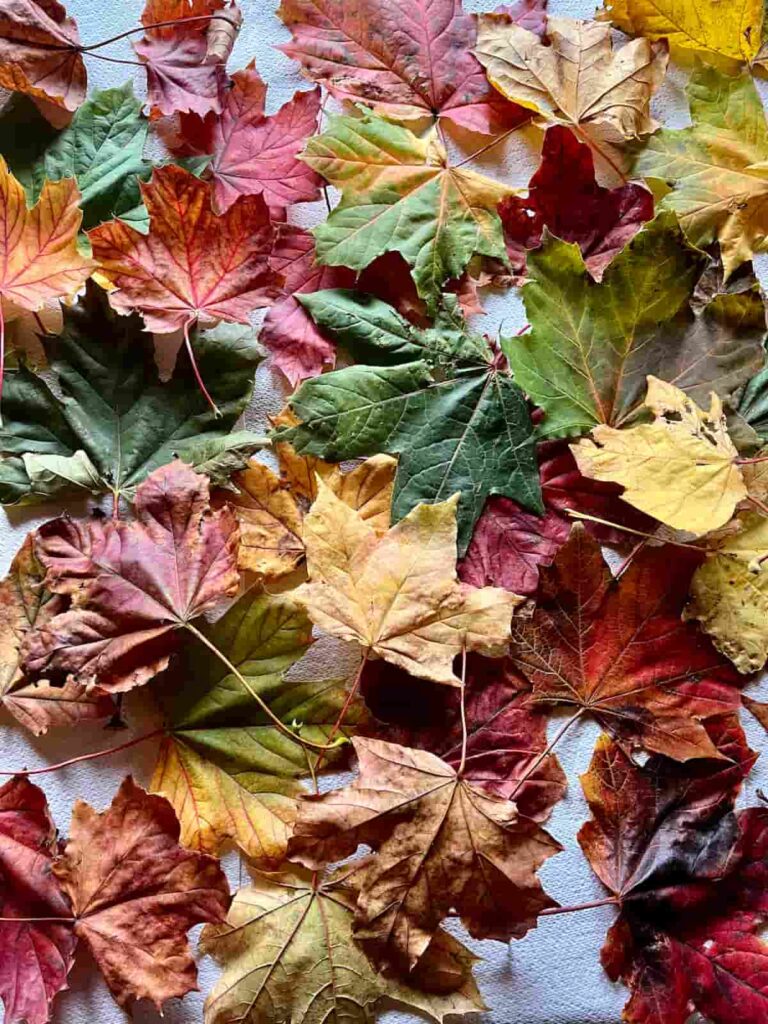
{"x":39,"y":260}
{"x":192,"y":265}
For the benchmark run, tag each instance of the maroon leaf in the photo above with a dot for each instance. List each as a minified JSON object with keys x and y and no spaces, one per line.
{"x":565,"y":199}
{"x":35,"y":956}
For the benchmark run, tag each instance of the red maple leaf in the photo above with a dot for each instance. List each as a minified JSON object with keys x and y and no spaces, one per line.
{"x":564,"y":197}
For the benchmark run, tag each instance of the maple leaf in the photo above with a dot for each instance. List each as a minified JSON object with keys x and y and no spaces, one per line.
{"x":704,"y":26}
{"x":441,"y":398}
{"x":36,"y":954}
{"x":564,"y":198}
{"x":681,"y":469}
{"x":408,"y":61}
{"x":40,"y":52}
{"x":616,"y":649}
{"x":136,"y":583}
{"x":252,"y":154}
{"x":729,"y":594}
{"x":299,"y":348}
{"x":26,"y":605}
{"x":291,"y":925}
{"x":506,"y":733}
{"x":689,"y":877}
{"x":230,"y":774}
{"x":592,"y":345}
{"x":577,"y":80}
{"x":441,"y":844}
{"x":271,"y":517}
{"x":179,"y":77}
{"x":398,"y":193}
{"x":192,"y":264}
{"x":397,"y":595}
{"x":110,"y":421}
{"x":102,"y":149}
{"x":712,"y":174}
{"x":40,"y":261}
{"x":135,"y":892}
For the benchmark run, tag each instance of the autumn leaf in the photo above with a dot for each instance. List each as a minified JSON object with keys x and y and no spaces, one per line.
{"x":564,"y":199}
{"x":192,"y":265}
{"x":592,"y":345}
{"x":26,"y":605}
{"x":408,"y":61}
{"x":135,"y":893}
{"x":712,"y":174}
{"x":577,"y":80}
{"x":40,"y":259}
{"x":298,"y":347}
{"x":617,"y":650}
{"x":291,"y":925}
{"x":398,"y":193}
{"x":681,"y":468}
{"x":441,"y":844}
{"x":397,"y":595}
{"x":37,"y":954}
{"x":706,"y":27}
{"x":110,"y":421}
{"x":253,"y":154}
{"x":40,"y":52}
{"x":688,"y":876}
{"x":179,"y":78}
{"x":137,"y":584}
{"x":439,"y":397}
{"x":271,"y":515}
{"x":729,"y":594}
{"x":506,"y":732}
{"x":229,"y":773}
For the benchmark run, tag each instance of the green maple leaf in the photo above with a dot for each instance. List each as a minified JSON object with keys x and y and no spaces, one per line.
{"x":592,"y":346}
{"x":116,"y":421}
{"x":102,"y":149}
{"x":714,"y":174}
{"x":437,"y":398}
{"x":222,"y":747}
{"x":399,"y":194}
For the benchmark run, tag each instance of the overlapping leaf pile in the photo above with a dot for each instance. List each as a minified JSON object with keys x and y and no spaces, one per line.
{"x":446,"y":541}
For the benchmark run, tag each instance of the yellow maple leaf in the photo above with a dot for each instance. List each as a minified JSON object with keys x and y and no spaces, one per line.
{"x":397,"y":595}
{"x":681,"y":469}
{"x":708,"y":27}
{"x":271,"y":517}
{"x":577,"y":80}
{"x":729,"y":594}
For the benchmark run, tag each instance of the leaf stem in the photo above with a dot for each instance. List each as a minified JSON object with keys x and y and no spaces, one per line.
{"x":463,"y":706}
{"x":2,"y":354}
{"x":345,"y":708}
{"x":146,"y":28}
{"x":630,"y":557}
{"x":608,"y":901}
{"x":546,"y":752}
{"x":278,"y":722}
{"x":196,"y":371}
{"x":751,"y":462}
{"x":35,"y":920}
{"x":89,"y":757}
{"x":583,"y":516}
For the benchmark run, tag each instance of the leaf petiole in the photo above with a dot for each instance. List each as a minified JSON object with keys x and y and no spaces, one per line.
{"x":195,"y":369}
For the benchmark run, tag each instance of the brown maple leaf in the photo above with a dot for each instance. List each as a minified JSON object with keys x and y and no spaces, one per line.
{"x":135,"y":893}
{"x":442,"y":844}
{"x":25,"y":605}
{"x":133,"y":584}
{"x":616,"y":649}
{"x":40,"y":52}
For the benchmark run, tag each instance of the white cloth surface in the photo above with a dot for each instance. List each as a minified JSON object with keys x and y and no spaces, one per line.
{"x":553,"y":976}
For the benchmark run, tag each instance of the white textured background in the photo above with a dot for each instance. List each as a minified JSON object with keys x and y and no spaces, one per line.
{"x":553,"y":976}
